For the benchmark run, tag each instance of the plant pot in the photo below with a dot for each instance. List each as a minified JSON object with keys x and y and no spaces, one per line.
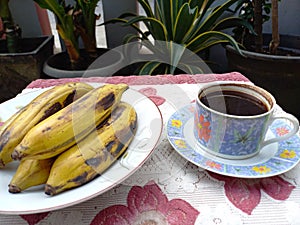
{"x":277,"y":74}
{"x":17,"y":70}
{"x":59,"y":66}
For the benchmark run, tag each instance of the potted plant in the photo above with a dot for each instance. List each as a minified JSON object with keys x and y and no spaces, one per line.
{"x":176,"y":26}
{"x":269,"y":60}
{"x":76,"y":22}
{"x":21,"y":58}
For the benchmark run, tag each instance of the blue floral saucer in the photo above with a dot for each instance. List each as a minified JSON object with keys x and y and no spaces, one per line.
{"x":272,"y":160}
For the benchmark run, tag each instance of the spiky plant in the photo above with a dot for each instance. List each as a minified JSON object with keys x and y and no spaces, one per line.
{"x":195,"y":25}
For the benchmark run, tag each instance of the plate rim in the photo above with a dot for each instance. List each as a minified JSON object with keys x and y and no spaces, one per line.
{"x":210,"y":156}
{"x":114,"y":183}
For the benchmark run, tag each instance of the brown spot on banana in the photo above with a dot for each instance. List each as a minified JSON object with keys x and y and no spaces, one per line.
{"x":16,"y":155}
{"x":78,"y":181}
{"x":106,"y":102}
{"x":51,"y":110}
{"x":69,"y":99}
{"x":81,"y":179}
{"x":5,"y":138}
{"x":100,"y":158}
{"x":47,"y":129}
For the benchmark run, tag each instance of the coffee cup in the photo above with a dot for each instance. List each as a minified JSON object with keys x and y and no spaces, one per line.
{"x":231,"y":119}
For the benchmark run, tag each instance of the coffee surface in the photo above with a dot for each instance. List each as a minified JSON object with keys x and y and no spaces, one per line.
{"x":234,"y":103}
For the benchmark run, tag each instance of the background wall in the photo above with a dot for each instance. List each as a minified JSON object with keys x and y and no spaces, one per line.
{"x":25,"y":15}
{"x":112,"y":9}
{"x":289,"y":18}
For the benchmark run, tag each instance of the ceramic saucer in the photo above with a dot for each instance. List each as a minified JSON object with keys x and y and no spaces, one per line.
{"x":272,"y":160}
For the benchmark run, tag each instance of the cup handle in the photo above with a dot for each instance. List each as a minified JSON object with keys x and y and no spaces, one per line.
{"x":294,"y":121}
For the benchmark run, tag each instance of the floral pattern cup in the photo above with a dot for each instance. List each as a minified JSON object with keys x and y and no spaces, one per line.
{"x":237,"y":136}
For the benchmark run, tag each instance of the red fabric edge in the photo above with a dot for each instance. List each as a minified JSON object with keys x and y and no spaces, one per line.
{"x":143,"y":80}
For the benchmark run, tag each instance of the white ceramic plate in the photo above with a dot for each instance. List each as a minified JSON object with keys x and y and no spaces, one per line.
{"x":33,"y":200}
{"x":273,"y":159}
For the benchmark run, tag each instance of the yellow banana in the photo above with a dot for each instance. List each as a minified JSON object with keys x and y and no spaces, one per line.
{"x":94,"y":154}
{"x":63,"y":129}
{"x":30,"y":173}
{"x":9,"y":121}
{"x":44,"y":105}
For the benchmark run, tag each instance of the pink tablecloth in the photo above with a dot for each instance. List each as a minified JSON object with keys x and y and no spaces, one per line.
{"x":169,"y":190}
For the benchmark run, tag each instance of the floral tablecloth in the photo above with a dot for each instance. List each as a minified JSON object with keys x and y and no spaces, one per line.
{"x":168,"y":189}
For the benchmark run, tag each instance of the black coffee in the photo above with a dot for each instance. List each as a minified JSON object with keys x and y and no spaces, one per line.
{"x":234,"y":103}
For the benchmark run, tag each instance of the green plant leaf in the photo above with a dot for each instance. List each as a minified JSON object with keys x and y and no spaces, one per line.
{"x":156,"y":27}
{"x":164,"y":13}
{"x":204,"y":7}
{"x":126,"y":15}
{"x":125,"y":23}
{"x":184,"y":22}
{"x":211,"y":19}
{"x":231,"y":22}
{"x":147,"y":8}
{"x":190,"y":69}
{"x":149,"y":67}
{"x":88,"y":11}
{"x":204,"y":11}
{"x":131,"y":37}
{"x":53,"y":6}
{"x":209,"y":39}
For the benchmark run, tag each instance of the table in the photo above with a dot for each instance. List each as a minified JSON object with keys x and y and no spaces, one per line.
{"x":167,"y":189}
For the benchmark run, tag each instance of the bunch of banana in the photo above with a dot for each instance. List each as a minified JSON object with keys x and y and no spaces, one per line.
{"x":69,"y":125}
{"x":40,"y":108}
{"x":83,"y":161}
{"x":95,"y":153}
